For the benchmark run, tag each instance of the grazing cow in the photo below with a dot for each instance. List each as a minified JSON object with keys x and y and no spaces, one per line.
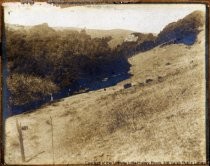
{"x":128,"y":85}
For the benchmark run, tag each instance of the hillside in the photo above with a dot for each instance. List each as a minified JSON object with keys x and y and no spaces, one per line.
{"x":160,"y":118}
{"x":118,"y":35}
{"x":66,"y":59}
{"x":69,"y":59}
{"x":184,"y":30}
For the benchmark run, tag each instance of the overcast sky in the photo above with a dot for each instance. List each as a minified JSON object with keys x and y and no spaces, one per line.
{"x":136,"y":17}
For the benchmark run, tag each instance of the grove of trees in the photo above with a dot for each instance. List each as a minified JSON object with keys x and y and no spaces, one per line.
{"x":42,"y":60}
{"x":57,"y":58}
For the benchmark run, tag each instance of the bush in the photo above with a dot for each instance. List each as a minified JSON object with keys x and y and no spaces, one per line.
{"x":25,"y":88}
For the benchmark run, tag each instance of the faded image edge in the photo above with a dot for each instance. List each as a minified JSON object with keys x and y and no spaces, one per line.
{"x":105,"y":83}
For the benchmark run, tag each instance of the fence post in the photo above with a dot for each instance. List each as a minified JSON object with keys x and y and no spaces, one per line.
{"x":20,"y":135}
{"x":52,"y":140}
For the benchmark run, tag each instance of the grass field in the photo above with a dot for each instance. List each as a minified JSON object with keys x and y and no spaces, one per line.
{"x":160,"y":118}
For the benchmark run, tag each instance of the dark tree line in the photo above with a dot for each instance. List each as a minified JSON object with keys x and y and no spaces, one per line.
{"x":60,"y":58}
{"x":63,"y":56}
{"x":42,"y":60}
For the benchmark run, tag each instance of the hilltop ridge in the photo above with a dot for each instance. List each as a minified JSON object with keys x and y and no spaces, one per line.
{"x":184,"y":30}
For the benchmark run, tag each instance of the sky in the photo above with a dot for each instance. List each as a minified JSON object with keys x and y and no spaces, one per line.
{"x":146,"y":18}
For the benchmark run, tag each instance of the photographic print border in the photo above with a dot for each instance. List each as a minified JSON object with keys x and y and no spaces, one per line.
{"x":66,"y":3}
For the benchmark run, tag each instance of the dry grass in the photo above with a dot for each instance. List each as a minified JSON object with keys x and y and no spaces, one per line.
{"x":118,"y":35}
{"x":162,"y":120}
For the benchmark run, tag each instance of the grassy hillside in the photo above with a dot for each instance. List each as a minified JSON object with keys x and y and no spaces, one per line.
{"x":160,"y":118}
{"x":118,"y":35}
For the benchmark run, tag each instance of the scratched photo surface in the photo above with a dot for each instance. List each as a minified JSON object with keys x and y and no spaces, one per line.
{"x":104,"y":83}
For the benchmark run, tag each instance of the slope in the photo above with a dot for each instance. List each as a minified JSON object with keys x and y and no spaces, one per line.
{"x":160,"y":118}
{"x":118,"y":35}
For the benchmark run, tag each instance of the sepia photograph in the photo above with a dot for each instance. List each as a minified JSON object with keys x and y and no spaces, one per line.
{"x":104,"y":83}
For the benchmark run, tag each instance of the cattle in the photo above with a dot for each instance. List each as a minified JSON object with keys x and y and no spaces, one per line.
{"x":128,"y":85}
{"x":149,"y":80}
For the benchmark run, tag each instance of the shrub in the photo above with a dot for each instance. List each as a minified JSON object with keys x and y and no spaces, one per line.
{"x":26,"y":88}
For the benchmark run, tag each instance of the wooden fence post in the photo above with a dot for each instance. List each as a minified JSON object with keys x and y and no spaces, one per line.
{"x":52,"y":140}
{"x":20,"y":135}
